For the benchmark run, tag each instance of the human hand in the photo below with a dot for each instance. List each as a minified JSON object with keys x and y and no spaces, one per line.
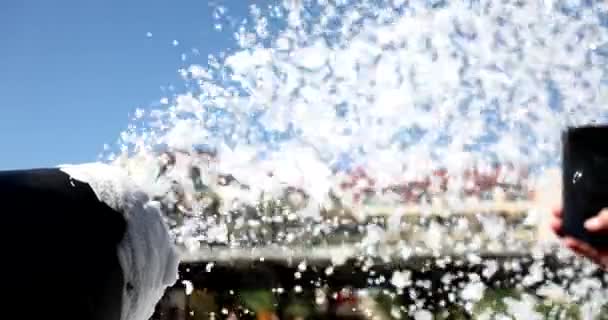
{"x":596,"y":224}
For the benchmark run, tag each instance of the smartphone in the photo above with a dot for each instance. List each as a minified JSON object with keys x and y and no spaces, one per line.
{"x":585,"y":180}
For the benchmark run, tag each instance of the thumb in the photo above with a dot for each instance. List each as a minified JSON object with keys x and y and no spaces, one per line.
{"x":598,"y":223}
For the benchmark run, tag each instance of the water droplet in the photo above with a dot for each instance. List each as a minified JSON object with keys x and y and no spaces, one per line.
{"x":189,"y":287}
{"x":209,"y":266}
{"x":577,"y":176}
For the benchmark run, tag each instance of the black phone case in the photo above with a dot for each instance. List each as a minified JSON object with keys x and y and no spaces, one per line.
{"x":585,"y":180}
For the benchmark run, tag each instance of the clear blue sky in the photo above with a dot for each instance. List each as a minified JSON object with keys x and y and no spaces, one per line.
{"x":71,"y":71}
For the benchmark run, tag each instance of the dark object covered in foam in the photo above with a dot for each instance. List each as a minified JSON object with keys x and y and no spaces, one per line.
{"x":59,"y":245}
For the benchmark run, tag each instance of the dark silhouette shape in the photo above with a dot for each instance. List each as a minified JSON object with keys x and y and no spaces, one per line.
{"x":59,"y":248}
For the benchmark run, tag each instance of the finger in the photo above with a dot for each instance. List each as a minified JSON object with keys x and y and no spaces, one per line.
{"x":603,"y":261}
{"x":582,"y":249}
{"x":579,"y":246}
{"x":557,"y":213}
{"x":556,"y":226}
{"x":598,"y":223}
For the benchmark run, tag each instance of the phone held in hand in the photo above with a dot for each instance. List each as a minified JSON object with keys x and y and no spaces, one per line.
{"x":585,"y":180}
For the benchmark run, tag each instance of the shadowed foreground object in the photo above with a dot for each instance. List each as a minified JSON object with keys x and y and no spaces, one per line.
{"x":68,"y":253}
{"x":585,"y":180}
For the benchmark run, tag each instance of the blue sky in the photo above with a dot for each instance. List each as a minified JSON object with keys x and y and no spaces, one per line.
{"x":72,"y":71}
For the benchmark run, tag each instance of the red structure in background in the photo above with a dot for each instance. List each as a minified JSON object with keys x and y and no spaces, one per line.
{"x":476,"y":182}
{"x":359,"y":181}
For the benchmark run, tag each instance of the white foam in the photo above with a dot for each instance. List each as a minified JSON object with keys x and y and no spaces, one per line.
{"x":401,"y":279}
{"x":401,"y":90}
{"x":423,"y":315}
{"x":452,"y":72}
